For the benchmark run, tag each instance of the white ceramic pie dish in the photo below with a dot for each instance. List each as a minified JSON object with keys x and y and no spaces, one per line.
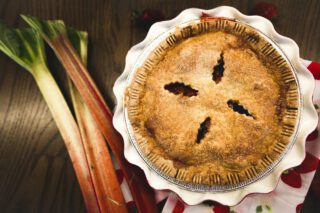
{"x":266,"y":182}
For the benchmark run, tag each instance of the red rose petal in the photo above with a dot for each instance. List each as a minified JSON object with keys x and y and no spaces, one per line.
{"x":310,"y":163}
{"x":313,"y":135}
{"x":299,"y":207}
{"x":179,"y":208}
{"x":292,"y":179}
{"x":219,"y":208}
{"x":314,"y":68}
{"x":266,"y":10}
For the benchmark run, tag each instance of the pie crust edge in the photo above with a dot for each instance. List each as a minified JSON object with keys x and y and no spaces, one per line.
{"x":263,"y":47}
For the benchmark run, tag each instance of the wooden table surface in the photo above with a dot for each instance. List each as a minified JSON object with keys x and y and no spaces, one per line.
{"x":36,"y":174}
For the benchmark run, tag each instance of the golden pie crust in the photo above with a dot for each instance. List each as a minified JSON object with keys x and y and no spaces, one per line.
{"x":235,"y":147}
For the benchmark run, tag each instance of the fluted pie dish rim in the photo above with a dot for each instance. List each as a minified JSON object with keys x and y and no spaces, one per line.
{"x":194,"y":191}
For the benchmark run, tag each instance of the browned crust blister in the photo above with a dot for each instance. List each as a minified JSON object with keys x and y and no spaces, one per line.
{"x":288,"y":110}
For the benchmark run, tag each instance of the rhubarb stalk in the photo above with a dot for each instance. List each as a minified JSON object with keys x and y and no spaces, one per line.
{"x":27,"y":49}
{"x":54,"y":33}
{"x":105,"y":180}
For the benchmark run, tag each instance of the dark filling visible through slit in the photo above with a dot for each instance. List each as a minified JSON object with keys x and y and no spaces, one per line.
{"x":218,"y":70}
{"x":233,"y":104}
{"x":180,"y":88}
{"x":203,"y":129}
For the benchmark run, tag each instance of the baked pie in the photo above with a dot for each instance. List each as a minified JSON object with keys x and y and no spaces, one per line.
{"x":215,"y":103}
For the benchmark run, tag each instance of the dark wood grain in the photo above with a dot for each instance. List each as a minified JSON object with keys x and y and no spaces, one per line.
{"x":35,"y":171}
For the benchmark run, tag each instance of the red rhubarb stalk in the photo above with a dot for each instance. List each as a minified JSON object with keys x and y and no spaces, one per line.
{"x":26,"y":47}
{"x":106,"y":184}
{"x":105,"y":180}
{"x":54,"y":33}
